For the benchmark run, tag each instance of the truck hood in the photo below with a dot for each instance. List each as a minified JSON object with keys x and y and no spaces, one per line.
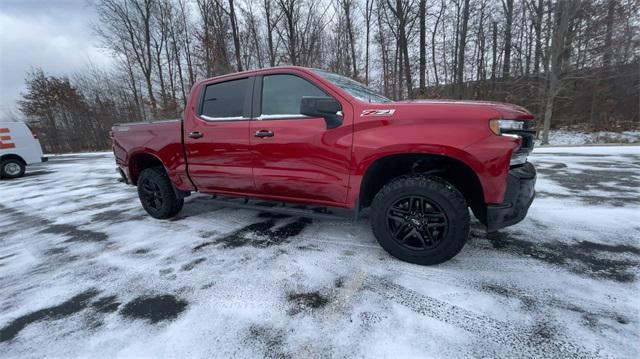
{"x":506,"y":110}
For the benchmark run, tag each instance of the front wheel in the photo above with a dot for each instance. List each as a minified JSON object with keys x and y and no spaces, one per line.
{"x":156,"y":194}
{"x":420,"y":219}
{"x":12,"y":168}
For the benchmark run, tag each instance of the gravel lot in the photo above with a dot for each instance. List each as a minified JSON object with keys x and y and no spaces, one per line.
{"x":85,"y":272}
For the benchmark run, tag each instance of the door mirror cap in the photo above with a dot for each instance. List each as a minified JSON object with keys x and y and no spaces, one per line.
{"x":325,"y":107}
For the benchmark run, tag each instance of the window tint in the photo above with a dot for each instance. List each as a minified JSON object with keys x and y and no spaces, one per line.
{"x":281,"y":94}
{"x":225,"y":99}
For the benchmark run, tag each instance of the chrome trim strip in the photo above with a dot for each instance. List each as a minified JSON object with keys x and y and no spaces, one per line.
{"x":280,"y":117}
{"x":231,"y":118}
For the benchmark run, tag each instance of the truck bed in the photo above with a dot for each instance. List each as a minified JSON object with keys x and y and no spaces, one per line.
{"x":160,"y":139}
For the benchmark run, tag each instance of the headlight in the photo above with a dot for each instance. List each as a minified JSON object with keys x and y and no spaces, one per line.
{"x":522,"y":130}
{"x":500,"y":126}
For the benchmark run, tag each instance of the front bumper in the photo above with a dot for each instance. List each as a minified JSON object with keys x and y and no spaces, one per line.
{"x":517,"y":198}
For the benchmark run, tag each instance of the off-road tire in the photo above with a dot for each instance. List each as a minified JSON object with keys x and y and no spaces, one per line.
{"x":443,"y":195}
{"x":11,"y":162}
{"x":156,"y":179}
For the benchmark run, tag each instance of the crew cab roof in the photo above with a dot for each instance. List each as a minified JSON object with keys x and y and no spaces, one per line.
{"x":257,"y":72}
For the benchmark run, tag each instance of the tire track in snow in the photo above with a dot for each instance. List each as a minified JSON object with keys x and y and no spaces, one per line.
{"x":517,"y":340}
{"x":528,"y":341}
{"x":542,"y":299}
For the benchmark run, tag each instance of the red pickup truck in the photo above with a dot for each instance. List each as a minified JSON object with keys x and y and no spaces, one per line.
{"x":318,"y":144}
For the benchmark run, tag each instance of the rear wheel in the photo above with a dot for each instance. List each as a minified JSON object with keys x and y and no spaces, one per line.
{"x":420,"y":219}
{"x":156,"y":194}
{"x":12,"y":168}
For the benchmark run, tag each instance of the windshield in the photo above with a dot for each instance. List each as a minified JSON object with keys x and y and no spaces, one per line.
{"x":354,"y":88}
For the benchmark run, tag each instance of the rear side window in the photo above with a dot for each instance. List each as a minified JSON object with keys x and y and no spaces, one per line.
{"x":225,"y":100}
{"x":281,"y":94}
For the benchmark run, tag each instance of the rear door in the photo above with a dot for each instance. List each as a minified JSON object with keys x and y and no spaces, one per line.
{"x":16,"y":138}
{"x":216,"y":138}
{"x":297,"y":157}
{"x":7,"y":138}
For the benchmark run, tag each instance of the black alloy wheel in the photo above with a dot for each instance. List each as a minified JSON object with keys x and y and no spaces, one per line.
{"x":151,"y":194}
{"x":157,"y":194}
{"x":420,"y":219}
{"x":417,"y":223}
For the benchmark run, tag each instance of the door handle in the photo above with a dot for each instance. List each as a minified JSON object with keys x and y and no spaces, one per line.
{"x":264,"y":133}
{"x":195,"y":134}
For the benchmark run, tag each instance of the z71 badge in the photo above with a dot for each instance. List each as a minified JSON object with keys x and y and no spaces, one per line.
{"x":385,"y":112}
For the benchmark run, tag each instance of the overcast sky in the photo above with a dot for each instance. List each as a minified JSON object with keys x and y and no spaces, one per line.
{"x":55,"y":35}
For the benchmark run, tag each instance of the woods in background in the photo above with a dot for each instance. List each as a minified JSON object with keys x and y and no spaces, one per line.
{"x":571,"y":62}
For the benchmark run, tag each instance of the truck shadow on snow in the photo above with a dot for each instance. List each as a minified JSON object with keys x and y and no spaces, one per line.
{"x":74,"y":233}
{"x":259,"y":234}
{"x":596,"y":260}
{"x":153,"y":309}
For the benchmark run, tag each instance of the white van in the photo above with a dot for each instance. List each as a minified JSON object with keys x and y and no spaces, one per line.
{"x":19,"y":147}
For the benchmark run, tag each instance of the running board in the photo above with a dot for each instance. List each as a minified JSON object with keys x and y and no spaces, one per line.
{"x":295,"y":210}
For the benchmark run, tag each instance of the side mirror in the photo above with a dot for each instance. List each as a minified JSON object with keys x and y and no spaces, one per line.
{"x":325,"y":107}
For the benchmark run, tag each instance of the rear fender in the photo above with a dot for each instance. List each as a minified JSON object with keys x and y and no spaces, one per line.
{"x":168,"y":158}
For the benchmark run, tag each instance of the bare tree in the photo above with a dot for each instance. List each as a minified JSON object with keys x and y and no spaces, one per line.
{"x":126,"y":30}
{"x":402,"y":14}
{"x":271,"y":22}
{"x":368,"y":13}
{"x":234,"y":31}
{"x":564,"y":14}
{"x":347,"y":7}
{"x":433,"y":42}
{"x":462,"y":46}
{"x":290,"y":11}
{"x":574,"y":62}
{"x":538,"y":9}
{"x":422,"y":15}
{"x":508,"y":11}
{"x":213,"y":37}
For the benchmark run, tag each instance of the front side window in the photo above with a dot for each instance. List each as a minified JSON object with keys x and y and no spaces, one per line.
{"x":224,"y":100}
{"x":281,"y":95}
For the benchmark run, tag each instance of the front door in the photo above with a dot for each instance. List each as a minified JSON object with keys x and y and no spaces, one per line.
{"x":295,"y":156}
{"x":217,"y":138}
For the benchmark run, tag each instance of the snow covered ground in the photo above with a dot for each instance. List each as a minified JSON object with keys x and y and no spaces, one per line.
{"x":85,"y":272}
{"x":572,"y":138}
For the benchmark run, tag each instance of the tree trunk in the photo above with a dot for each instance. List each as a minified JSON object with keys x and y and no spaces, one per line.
{"x":234,"y":32}
{"x":506,"y":65}
{"x":187,"y":43}
{"x":461,"y":49}
{"x":454,"y":67}
{"x":537,"y":25}
{"x":268,"y":20}
{"x":422,"y":14}
{"x":608,"y":48}
{"x":400,"y":13}
{"x":346,"y":4}
{"x":383,"y":52}
{"x":564,"y":12}
{"x":480,"y":70}
{"x":288,"y":8}
{"x":494,"y":55}
{"x":433,"y":43}
{"x":367,"y":18}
